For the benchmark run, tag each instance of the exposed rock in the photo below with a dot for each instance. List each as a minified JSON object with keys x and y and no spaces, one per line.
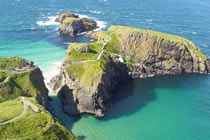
{"x":72,"y":24}
{"x":63,"y":16}
{"x":83,"y":48}
{"x":86,"y":87}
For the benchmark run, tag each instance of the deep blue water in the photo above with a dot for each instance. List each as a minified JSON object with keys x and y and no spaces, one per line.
{"x":160,"y":108}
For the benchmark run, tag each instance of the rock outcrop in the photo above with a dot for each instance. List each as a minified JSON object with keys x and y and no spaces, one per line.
{"x":65,"y":15}
{"x":85,"y":86}
{"x":72,"y":24}
{"x":20,"y":77}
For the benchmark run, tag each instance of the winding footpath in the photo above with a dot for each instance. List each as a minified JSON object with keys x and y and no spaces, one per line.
{"x":98,"y":57}
{"x":26,"y":103}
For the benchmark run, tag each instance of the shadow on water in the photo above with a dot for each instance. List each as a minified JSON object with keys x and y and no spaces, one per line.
{"x":132,"y":96}
{"x":57,"y":111}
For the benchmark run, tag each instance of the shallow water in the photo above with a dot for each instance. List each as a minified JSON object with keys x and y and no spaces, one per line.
{"x":160,"y":108}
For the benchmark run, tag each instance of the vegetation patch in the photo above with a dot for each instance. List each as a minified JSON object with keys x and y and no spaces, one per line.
{"x":120,"y":30}
{"x":90,"y":73}
{"x":74,"y":55}
{"x":22,"y":84}
{"x":4,"y":75}
{"x":10,"y":110}
{"x":11,"y":63}
{"x":70,"y":19}
{"x":34,"y":125}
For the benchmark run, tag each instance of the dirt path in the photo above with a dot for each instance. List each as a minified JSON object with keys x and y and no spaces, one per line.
{"x":25,"y":105}
{"x":99,"y":55}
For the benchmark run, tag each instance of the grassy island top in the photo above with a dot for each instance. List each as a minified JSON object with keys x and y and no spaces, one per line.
{"x":90,"y":73}
{"x":32,"y":125}
{"x":10,"y":63}
{"x":119,"y":31}
{"x":74,"y":55}
{"x":70,"y":19}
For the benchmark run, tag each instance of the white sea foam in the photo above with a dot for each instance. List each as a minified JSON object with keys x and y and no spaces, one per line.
{"x":49,"y":22}
{"x":95,"y":12}
{"x":194,"y":33}
{"x":149,"y":21}
{"x":101,"y":24}
{"x":205,"y":45}
{"x":51,"y":72}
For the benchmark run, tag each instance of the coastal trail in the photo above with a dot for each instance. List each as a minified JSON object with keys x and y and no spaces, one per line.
{"x":26,"y":103}
{"x":99,"y":55}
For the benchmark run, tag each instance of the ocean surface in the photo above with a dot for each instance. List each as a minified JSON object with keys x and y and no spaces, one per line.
{"x":159,"y":108}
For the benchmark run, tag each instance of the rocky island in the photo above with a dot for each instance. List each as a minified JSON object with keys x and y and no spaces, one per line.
{"x":90,"y":71}
{"x":72,"y":24}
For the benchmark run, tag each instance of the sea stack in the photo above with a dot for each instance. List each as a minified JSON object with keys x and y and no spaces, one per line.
{"x":72,"y":24}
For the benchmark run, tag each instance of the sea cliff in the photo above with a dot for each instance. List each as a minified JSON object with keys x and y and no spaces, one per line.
{"x":86,"y":79}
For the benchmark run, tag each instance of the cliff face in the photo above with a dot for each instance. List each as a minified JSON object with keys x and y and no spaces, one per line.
{"x":71,"y":24}
{"x":20,"y":77}
{"x":155,"y":53}
{"x":129,"y":53}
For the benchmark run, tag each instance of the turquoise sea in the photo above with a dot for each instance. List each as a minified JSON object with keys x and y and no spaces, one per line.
{"x":159,"y":108}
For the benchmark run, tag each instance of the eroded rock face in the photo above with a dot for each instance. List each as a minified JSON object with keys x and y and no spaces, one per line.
{"x":151,"y":55}
{"x":83,"y":48}
{"x":63,"y":16}
{"x":71,"y":24}
{"x":154,"y":55}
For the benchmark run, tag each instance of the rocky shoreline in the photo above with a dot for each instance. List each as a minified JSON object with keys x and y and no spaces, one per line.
{"x":130,"y":54}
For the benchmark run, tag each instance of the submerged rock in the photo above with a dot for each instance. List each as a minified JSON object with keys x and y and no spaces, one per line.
{"x":72,"y":24}
{"x":85,"y":86}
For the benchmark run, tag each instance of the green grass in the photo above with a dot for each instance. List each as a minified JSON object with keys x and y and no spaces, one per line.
{"x":90,"y":73}
{"x":77,"y":56}
{"x":120,"y":30}
{"x":10,"y":63}
{"x":4,"y":75}
{"x":22,"y":84}
{"x":113,"y":44}
{"x":70,"y":19}
{"x":10,"y":110}
{"x":35,"y":126}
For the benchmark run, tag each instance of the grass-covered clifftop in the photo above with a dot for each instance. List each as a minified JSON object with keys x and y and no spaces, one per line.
{"x":32,"y":125}
{"x":120,"y":33}
{"x":74,"y":55}
{"x":26,"y":81}
{"x":11,"y":63}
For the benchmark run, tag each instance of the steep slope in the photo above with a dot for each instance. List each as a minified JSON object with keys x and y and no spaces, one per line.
{"x":20,"y":77}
